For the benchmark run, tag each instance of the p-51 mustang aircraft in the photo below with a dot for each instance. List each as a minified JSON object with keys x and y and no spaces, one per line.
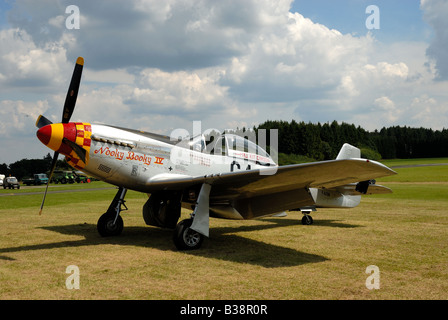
{"x":230,"y":178}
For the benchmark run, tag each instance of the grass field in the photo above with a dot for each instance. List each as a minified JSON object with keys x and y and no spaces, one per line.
{"x":404,"y":234}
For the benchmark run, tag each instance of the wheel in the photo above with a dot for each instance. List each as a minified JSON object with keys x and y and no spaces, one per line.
{"x":185,"y":238}
{"x":106,"y":226}
{"x":307,"y":220}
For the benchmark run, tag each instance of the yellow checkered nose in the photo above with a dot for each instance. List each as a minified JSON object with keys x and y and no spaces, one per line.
{"x":70,"y":139}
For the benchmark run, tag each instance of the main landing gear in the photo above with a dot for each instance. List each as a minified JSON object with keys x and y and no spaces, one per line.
{"x":190,"y":233}
{"x":111,"y":223}
{"x":185,"y":238}
{"x":162,"y":211}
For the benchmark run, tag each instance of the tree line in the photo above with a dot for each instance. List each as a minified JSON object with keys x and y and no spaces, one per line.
{"x":27,"y":167}
{"x":302,"y":142}
{"x":323,"y":141}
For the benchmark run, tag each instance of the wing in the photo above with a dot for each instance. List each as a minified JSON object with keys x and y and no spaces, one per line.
{"x":324,"y":174}
{"x":266,"y":191}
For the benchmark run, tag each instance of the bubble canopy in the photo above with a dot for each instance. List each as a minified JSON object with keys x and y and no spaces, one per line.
{"x":229,"y":145}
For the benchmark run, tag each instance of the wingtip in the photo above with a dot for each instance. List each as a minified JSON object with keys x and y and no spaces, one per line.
{"x":80,"y":61}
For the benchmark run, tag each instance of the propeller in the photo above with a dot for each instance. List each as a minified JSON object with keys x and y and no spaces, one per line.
{"x":53,"y":166}
{"x":69,"y":107}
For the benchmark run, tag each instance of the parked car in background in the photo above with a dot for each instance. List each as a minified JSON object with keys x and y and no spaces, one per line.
{"x":11,"y":183}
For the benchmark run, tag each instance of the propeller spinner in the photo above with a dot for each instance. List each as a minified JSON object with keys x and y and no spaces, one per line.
{"x":57,"y":136}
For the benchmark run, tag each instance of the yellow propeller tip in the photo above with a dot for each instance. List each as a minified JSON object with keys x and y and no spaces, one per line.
{"x":80,"y":61}
{"x":38,"y":118}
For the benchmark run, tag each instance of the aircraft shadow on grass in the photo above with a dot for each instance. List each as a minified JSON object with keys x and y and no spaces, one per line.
{"x":226,"y":245}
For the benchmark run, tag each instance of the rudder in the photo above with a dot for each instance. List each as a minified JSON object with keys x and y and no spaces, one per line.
{"x":348,"y":152}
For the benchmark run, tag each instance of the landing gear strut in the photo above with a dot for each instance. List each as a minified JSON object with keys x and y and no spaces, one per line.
{"x":111,"y":223}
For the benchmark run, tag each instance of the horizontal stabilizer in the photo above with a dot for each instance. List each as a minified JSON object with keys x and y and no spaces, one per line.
{"x":350,"y":189}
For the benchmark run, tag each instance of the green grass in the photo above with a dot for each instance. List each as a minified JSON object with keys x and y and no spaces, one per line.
{"x":420,"y":174}
{"x":421,"y":192}
{"x":403,"y":233}
{"x":405,"y":162}
{"x":57,"y":187}
{"x":437,"y":173}
{"x":22,"y":198}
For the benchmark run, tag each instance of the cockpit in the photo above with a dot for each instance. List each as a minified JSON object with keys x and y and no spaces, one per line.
{"x":231,"y":145}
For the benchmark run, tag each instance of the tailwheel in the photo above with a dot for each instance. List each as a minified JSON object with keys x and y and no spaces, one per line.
{"x":110,"y":225}
{"x":185,"y":238}
{"x":307,"y":219}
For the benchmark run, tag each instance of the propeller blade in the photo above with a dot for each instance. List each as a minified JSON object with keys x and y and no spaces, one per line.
{"x":42,"y":122}
{"x":53,"y":166}
{"x":79,"y":151}
{"x":72,"y":93}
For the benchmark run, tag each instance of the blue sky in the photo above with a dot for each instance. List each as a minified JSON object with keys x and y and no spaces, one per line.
{"x":5,"y":6}
{"x":400,"y":19}
{"x":160,"y":65}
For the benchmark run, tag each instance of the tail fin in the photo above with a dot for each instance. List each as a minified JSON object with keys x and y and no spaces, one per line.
{"x":348,"y":151}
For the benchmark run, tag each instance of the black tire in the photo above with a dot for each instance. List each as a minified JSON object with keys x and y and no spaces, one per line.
{"x":106,"y":226}
{"x":185,"y":238}
{"x":307,"y":220}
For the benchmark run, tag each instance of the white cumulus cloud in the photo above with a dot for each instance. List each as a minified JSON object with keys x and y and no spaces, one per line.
{"x":435,"y":13}
{"x":159,"y":65}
